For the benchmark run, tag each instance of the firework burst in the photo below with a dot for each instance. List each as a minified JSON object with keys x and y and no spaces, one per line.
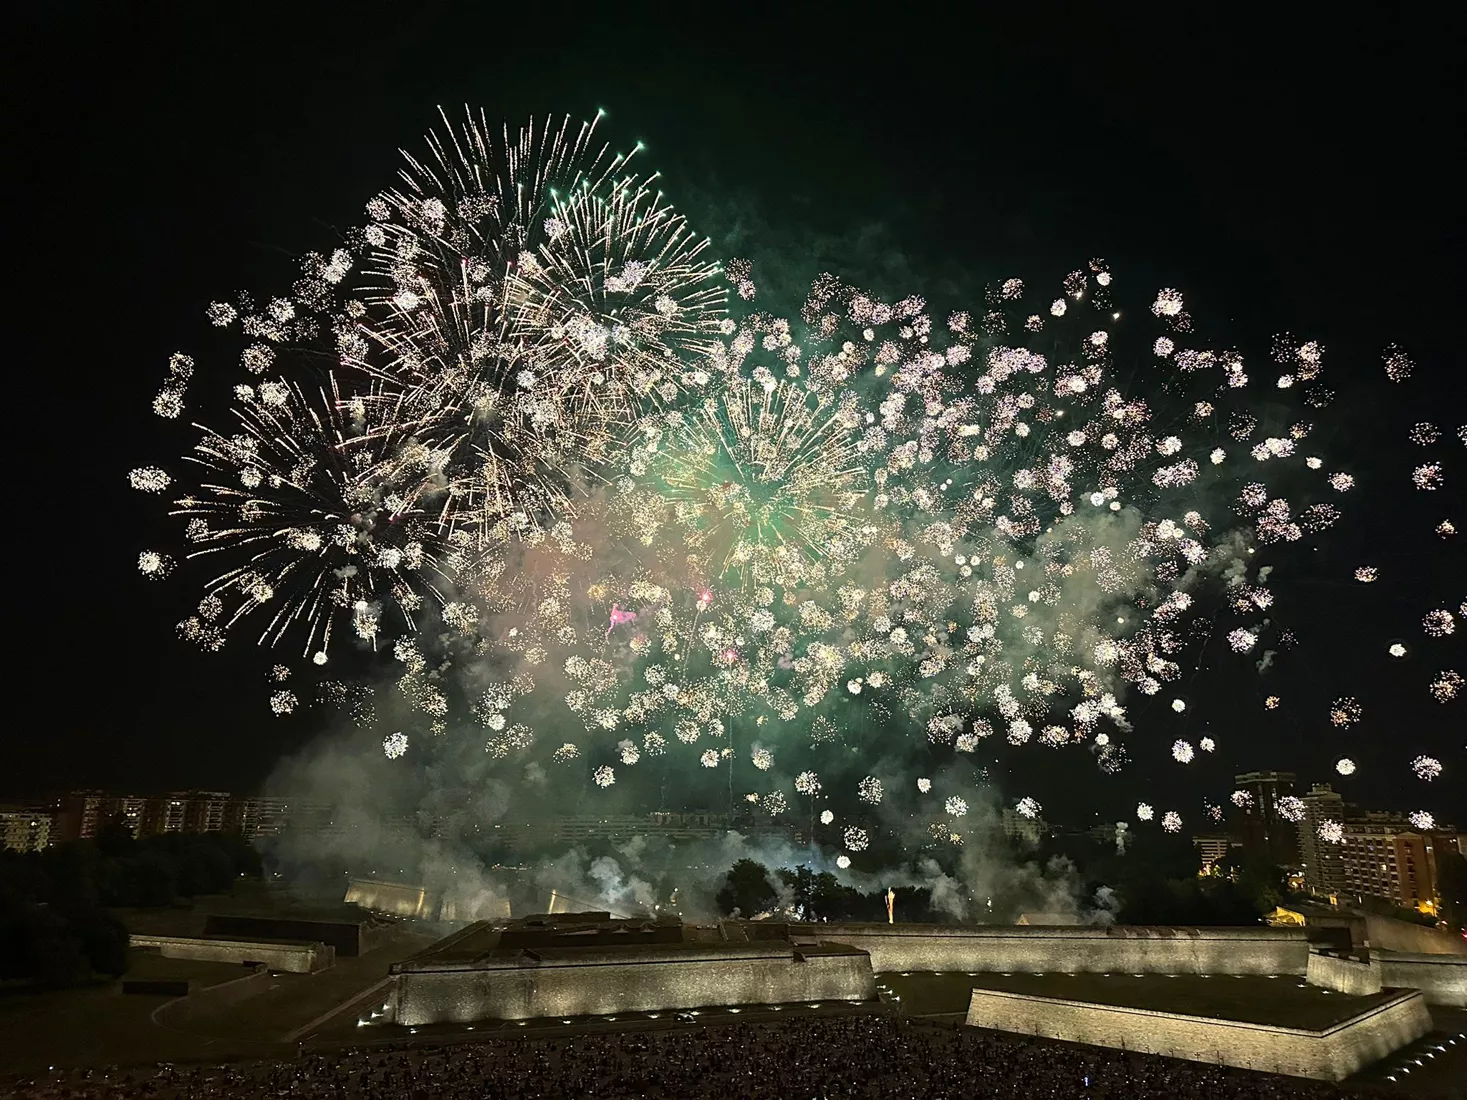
{"x":512,"y":423}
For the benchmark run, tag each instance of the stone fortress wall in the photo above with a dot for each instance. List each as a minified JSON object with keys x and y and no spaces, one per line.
{"x":1384,"y":933}
{"x":1344,"y":975}
{"x":469,"y":977}
{"x":1441,"y":975}
{"x":1442,"y":979}
{"x":763,"y":962}
{"x":398,"y":899}
{"x":296,"y":957}
{"x":588,"y":982}
{"x":349,"y":938}
{"x":1118,"y":949}
{"x":1330,"y":1054}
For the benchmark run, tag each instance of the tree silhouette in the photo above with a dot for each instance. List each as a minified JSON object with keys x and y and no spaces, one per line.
{"x":746,"y":889}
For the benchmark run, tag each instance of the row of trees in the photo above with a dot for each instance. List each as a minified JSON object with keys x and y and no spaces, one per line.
{"x":750,"y":889}
{"x":1152,"y":880}
{"x":58,"y":944}
{"x":55,"y":927}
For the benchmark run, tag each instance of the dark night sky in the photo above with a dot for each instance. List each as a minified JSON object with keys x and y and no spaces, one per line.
{"x":1282,"y":180}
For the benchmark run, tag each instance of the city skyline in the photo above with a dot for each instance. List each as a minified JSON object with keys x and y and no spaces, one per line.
{"x":204,"y":810}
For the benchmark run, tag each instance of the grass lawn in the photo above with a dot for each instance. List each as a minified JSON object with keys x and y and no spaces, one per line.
{"x":149,"y":966}
{"x":99,"y":1025}
{"x":248,"y":897}
{"x":1283,"y":1001}
{"x":95,"y":1026}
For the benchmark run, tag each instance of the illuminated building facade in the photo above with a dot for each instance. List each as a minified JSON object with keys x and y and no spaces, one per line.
{"x":1322,"y":862}
{"x":1212,"y":848}
{"x":1384,"y":857}
{"x":24,"y":830}
{"x":82,"y":814}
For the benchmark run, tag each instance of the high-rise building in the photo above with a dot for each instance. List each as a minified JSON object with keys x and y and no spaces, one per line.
{"x":169,"y":814}
{"x":1212,"y":848}
{"x":1016,"y":826}
{"x":82,"y":814}
{"x":189,"y":812}
{"x":1321,"y":860}
{"x":133,"y":814}
{"x":257,"y":817}
{"x":1257,"y":824}
{"x":23,"y":829}
{"x":207,"y":811}
{"x":1383,"y":856}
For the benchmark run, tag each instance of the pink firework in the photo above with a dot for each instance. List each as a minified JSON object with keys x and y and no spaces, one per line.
{"x":618,"y":616}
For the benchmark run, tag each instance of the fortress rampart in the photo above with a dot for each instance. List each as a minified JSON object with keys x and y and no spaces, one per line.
{"x":296,"y":957}
{"x":399,"y":899}
{"x":1118,"y":949}
{"x":590,"y":964}
{"x":590,"y":981}
{"x":1330,"y":1054}
{"x":402,"y":899}
{"x":1441,"y":978}
{"x":1344,"y":975}
{"x":348,"y":938}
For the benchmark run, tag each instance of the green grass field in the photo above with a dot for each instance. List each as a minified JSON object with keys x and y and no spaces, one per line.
{"x":150,"y":966}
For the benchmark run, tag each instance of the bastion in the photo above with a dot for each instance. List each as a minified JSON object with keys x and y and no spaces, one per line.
{"x":1374,"y":1028}
{"x":397,"y":898}
{"x":1442,"y":979}
{"x":296,"y":956}
{"x":1120,"y":949}
{"x":587,"y":964}
{"x":401,"y":899}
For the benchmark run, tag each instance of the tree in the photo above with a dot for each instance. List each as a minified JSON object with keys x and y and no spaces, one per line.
{"x":38,"y":947}
{"x":821,"y":896}
{"x":53,"y":929}
{"x":746,"y":890}
{"x":1452,"y":883}
{"x":101,"y":937}
{"x":115,"y":837}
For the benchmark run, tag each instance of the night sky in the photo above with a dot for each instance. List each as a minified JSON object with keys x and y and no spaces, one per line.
{"x":1283,"y":181}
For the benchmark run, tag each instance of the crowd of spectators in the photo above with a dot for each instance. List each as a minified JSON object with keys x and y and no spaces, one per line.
{"x":815,"y":1057}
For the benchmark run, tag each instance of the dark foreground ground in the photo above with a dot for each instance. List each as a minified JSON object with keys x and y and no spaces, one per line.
{"x":868,"y":1055}
{"x":829,"y":1057}
{"x":100,"y":1025}
{"x":298,"y":1035}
